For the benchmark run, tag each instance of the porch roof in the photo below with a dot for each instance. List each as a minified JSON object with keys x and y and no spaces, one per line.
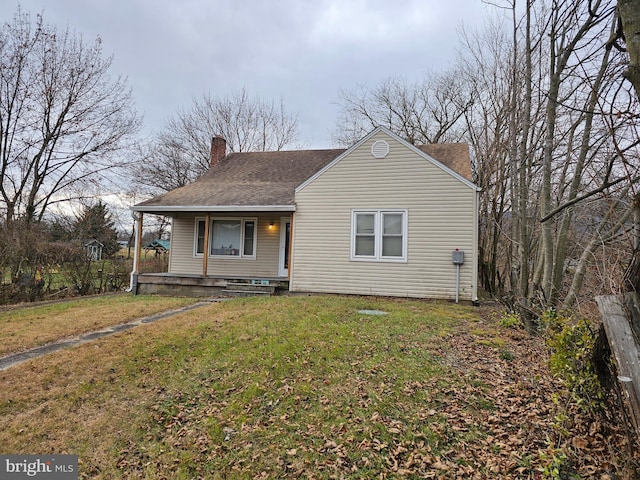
{"x":249,"y":181}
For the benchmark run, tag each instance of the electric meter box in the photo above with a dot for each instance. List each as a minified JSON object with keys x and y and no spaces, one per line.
{"x":457,"y":257}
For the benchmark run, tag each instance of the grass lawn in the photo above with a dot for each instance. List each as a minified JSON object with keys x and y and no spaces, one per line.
{"x":296,"y":387}
{"x":32,"y":326}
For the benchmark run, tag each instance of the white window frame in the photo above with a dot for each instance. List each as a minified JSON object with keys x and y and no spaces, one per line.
{"x":243,"y":221}
{"x":195,"y":237}
{"x":378,"y":235}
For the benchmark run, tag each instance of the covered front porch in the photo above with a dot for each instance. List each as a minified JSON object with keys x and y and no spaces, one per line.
{"x":220,"y":253}
{"x":206,"y":286}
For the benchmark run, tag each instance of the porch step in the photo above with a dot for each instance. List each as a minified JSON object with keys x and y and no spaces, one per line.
{"x":249,"y":289}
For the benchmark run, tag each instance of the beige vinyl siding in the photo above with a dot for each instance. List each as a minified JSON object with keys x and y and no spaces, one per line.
{"x":441,"y":215}
{"x":183,"y":261}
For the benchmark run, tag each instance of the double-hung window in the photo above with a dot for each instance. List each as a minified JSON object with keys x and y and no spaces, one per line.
{"x":228,"y":237}
{"x":379,"y":235}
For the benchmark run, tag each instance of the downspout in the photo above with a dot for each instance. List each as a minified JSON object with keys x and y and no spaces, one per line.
{"x":136,"y":254}
{"x":476,"y":235}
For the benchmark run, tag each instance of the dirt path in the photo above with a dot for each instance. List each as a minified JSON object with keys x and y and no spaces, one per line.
{"x":10,"y":360}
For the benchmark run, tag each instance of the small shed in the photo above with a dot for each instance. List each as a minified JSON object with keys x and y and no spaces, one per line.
{"x":93,"y":248}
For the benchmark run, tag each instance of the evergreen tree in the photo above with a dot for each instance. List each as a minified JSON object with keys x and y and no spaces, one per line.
{"x":96,"y":223}
{"x":61,"y":229}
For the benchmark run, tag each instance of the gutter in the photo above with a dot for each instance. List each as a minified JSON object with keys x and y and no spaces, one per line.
{"x":161,"y":210}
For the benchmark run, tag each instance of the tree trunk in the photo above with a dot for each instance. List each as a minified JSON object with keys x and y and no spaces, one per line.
{"x":632,"y":274}
{"x":523,"y":176}
{"x":545,"y":200}
{"x":600,"y":237}
{"x":629,"y":11}
{"x":515,"y":169}
{"x":581,"y":162}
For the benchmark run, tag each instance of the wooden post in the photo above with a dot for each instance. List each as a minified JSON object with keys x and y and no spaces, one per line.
{"x":625,"y":349}
{"x":205,"y":253}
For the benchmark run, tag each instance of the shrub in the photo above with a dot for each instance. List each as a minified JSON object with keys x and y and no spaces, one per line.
{"x":510,"y":320}
{"x":571,"y":360}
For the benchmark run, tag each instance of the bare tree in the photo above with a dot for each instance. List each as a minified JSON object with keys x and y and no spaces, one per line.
{"x":181,"y":151}
{"x":428,"y":111}
{"x":484,"y":58}
{"x":63,"y":120}
{"x":554,"y":136}
{"x":566,"y":139}
{"x":610,"y":225}
{"x":591,"y":138}
{"x":571,"y":26}
{"x":627,"y":29}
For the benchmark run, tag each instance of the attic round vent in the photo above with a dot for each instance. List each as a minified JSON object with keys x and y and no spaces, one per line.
{"x":380,"y":149}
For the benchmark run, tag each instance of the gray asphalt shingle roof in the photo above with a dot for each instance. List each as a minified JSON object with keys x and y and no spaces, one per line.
{"x":269,"y":179}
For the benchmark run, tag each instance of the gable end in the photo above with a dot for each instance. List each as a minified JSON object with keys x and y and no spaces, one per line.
{"x":379,"y":149}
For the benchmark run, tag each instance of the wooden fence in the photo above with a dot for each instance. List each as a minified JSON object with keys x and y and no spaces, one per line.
{"x":621,"y":320}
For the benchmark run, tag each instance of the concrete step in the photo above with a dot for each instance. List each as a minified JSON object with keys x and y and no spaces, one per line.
{"x":249,"y":289}
{"x":245,"y":293}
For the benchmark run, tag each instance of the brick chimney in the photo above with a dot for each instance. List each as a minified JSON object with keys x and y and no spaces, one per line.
{"x":218,"y":150}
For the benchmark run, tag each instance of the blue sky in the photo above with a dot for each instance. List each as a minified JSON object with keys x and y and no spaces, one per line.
{"x":298,"y":51}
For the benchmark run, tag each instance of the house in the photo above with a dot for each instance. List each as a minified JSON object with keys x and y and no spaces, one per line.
{"x":93,"y":249}
{"x":383,"y":217}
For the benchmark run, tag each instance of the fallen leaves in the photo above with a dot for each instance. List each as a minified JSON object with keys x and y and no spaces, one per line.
{"x":485,"y":415}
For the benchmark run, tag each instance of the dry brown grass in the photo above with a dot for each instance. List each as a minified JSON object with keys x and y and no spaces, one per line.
{"x":32,"y":326}
{"x":78,"y":400}
{"x":86,"y":399}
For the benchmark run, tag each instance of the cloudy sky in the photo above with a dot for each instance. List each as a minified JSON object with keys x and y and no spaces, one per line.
{"x":300,"y":51}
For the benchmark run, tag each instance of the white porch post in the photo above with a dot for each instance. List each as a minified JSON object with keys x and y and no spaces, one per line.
{"x":136,"y":252}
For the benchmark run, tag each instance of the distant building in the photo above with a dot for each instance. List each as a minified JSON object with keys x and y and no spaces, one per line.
{"x":94,"y":249}
{"x":159,"y":246}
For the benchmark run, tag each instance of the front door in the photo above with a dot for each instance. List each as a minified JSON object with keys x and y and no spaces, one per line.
{"x":285,"y":238}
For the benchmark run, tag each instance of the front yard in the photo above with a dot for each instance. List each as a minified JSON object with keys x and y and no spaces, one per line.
{"x":314,"y":387}
{"x":28,"y":326}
